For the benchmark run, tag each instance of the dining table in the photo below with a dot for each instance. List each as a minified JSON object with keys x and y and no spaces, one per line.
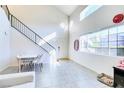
{"x":22,"y":58}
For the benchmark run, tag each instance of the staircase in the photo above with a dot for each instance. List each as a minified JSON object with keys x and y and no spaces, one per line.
{"x":27,"y":32}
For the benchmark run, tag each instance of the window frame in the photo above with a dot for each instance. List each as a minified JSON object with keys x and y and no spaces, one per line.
{"x":88,"y":10}
{"x":113,"y":26}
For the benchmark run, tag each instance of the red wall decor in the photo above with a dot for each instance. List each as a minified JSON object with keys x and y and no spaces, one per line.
{"x":118,"y":18}
{"x":76,"y":45}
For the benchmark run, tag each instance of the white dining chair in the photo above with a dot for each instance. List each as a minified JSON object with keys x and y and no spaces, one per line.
{"x":26,"y":65}
{"x":38,"y":63}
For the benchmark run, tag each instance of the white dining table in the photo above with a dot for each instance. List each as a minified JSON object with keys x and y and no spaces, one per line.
{"x":22,"y":58}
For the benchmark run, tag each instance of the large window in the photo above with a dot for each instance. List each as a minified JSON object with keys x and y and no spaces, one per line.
{"x":109,"y":41}
{"x":89,"y":10}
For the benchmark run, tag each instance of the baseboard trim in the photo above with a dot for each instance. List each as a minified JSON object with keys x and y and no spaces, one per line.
{"x":84,"y":66}
{"x":63,"y":59}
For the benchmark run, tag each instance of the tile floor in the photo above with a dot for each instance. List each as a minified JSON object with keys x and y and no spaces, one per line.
{"x":67,"y":74}
{"x":63,"y":74}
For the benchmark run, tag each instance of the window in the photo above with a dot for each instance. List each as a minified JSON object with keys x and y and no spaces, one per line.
{"x":89,"y":10}
{"x":109,"y":41}
{"x":120,"y":43}
{"x":113,"y":41}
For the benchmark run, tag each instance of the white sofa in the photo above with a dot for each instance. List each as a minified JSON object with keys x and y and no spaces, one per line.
{"x":18,"y":80}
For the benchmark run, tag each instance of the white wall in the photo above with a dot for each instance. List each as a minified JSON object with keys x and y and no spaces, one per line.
{"x":46,"y":21}
{"x":4,"y":40}
{"x":98,"y":20}
{"x":21,"y":45}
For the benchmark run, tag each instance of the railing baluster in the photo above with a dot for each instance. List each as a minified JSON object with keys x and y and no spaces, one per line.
{"x":20,"y":27}
{"x":25,"y":30}
{"x":11,"y":20}
{"x":35,"y":39}
{"x":16,"y":23}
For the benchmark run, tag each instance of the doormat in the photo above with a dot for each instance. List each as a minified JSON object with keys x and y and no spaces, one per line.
{"x":106,"y":79}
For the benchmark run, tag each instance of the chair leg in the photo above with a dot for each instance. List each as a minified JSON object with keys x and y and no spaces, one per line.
{"x":21,"y":67}
{"x":33,"y":66}
{"x":30,"y":67}
{"x":41,"y":65}
{"x":27,"y":67}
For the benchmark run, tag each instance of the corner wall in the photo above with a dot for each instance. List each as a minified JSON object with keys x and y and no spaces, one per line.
{"x":96,"y":21}
{"x":4,"y":40}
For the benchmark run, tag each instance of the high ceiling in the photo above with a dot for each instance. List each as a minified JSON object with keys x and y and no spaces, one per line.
{"x":67,"y":9}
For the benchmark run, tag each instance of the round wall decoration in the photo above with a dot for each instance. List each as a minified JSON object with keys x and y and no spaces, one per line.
{"x":118,"y":18}
{"x":76,"y":45}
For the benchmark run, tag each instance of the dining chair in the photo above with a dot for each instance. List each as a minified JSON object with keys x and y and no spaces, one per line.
{"x":26,"y":65}
{"x":38,"y":64}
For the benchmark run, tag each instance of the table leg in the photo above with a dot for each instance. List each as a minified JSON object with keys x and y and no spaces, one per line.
{"x":19,"y":66}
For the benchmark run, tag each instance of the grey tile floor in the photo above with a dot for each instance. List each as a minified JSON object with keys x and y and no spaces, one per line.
{"x":67,"y":74}
{"x":63,"y":74}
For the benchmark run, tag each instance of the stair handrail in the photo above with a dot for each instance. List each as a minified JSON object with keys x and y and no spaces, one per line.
{"x":9,"y":14}
{"x":33,"y":31}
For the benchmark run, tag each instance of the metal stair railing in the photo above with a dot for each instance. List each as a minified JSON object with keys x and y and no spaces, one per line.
{"x":25,"y":30}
